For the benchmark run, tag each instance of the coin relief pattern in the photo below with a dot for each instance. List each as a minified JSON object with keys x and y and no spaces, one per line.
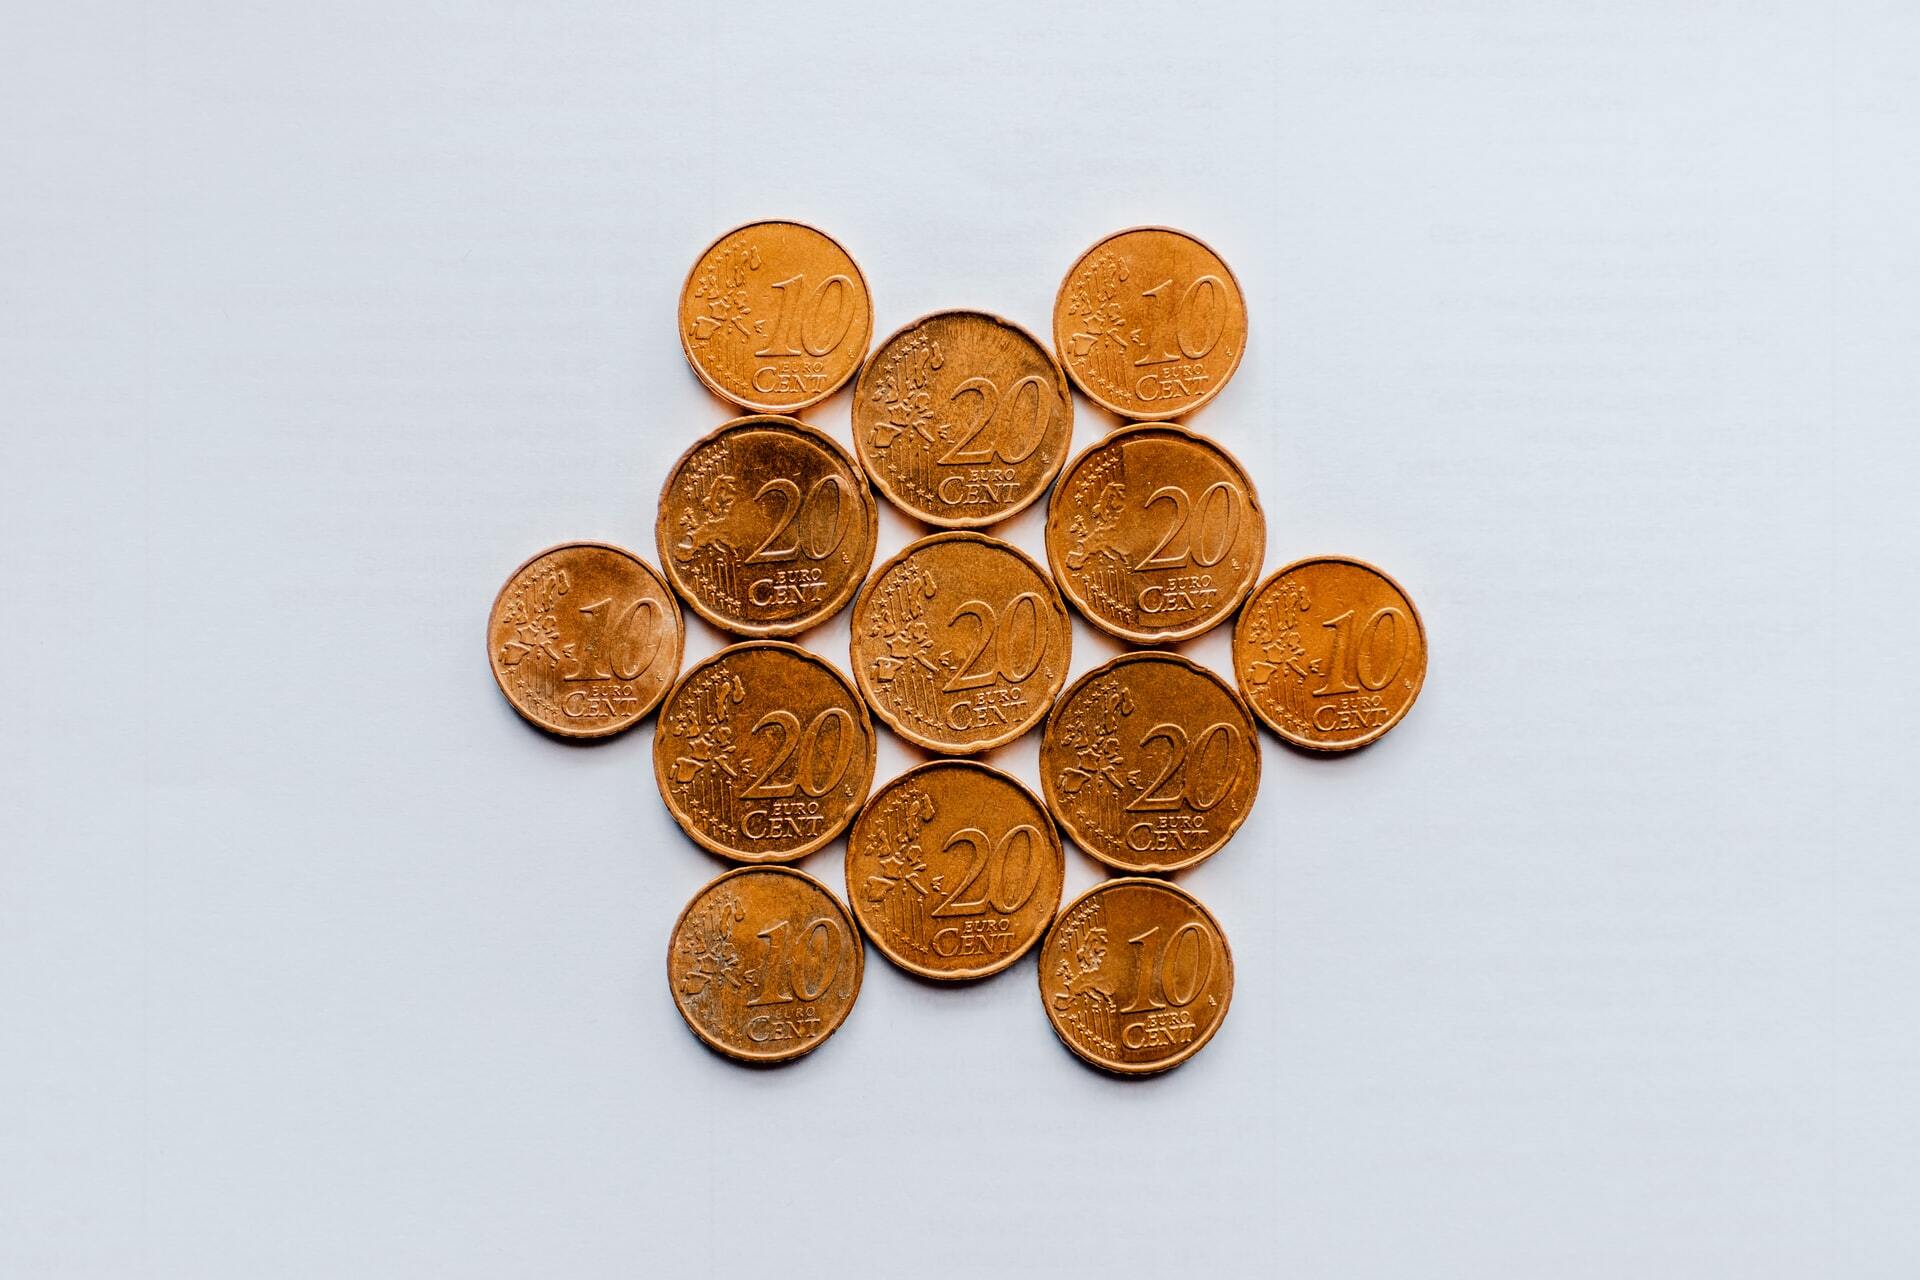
{"x":954,"y":870}
{"x":1151,"y":762}
{"x":584,"y":639}
{"x":764,"y":752}
{"x":962,"y":418}
{"x":764,"y":964}
{"x":960,"y":642}
{"x":1150,"y":323}
{"x":775,"y":316}
{"x":1330,"y":653}
{"x":766,"y":527}
{"x":1136,"y":976}
{"x":1155,"y":534}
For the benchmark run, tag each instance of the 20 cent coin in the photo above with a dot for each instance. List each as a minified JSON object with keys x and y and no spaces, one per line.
{"x":954,"y":870}
{"x":766,"y":526}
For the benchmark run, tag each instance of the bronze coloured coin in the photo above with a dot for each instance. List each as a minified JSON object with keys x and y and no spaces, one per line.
{"x":1136,"y":975}
{"x":954,"y":870}
{"x":775,"y":316}
{"x":766,"y":526}
{"x":764,"y":964}
{"x":1150,"y":323}
{"x":1330,"y":652}
{"x":1150,"y":762}
{"x":584,"y":639}
{"x":962,"y":418}
{"x":1155,"y":534}
{"x":764,"y":752}
{"x":960,"y":642}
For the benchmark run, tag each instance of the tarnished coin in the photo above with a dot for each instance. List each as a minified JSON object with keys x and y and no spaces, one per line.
{"x":954,"y":870}
{"x":775,"y":316}
{"x":962,"y":418}
{"x":1150,"y":323}
{"x":764,"y":964}
{"x":584,"y":639}
{"x":1155,"y":533}
{"x":1330,"y":652}
{"x":1150,"y":762}
{"x":766,"y":526}
{"x":960,"y":642}
{"x":764,"y":752}
{"x":1136,"y":975}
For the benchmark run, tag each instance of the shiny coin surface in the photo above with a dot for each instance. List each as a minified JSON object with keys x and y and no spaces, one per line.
{"x":584,"y":639}
{"x":764,"y":964}
{"x":1136,"y":975}
{"x":1150,"y":323}
{"x":1150,"y":762}
{"x":1330,"y":652}
{"x":766,"y":526}
{"x":775,"y":316}
{"x":960,"y":642}
{"x":764,"y":752}
{"x":962,"y":418}
{"x":1155,"y":534}
{"x":954,"y":870}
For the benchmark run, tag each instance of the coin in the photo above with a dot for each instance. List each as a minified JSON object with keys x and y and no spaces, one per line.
{"x":584,"y":639}
{"x":962,"y":418}
{"x":960,"y":642}
{"x":1150,"y":323}
{"x":954,"y":870}
{"x":1150,"y":762}
{"x":1330,"y":652}
{"x":763,"y":752}
{"x":1136,"y":975}
{"x":1155,"y":534}
{"x":764,"y":964}
{"x":775,"y":316}
{"x":766,"y":526}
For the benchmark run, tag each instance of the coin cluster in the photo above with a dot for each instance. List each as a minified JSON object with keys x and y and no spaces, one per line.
{"x":765,"y":751}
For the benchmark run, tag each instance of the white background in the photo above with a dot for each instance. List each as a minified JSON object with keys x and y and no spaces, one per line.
{"x":1595,"y":324}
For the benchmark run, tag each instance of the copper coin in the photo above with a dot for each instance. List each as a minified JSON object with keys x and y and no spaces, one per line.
{"x":764,"y":964}
{"x":1155,"y":534}
{"x":1136,"y":975}
{"x":1150,"y":762}
{"x":764,"y":752}
{"x":954,"y":870}
{"x":766,"y":526}
{"x":1150,"y":323}
{"x":962,"y":418}
{"x":775,"y":316}
{"x":960,"y":642}
{"x":584,"y":639}
{"x":1330,"y":652}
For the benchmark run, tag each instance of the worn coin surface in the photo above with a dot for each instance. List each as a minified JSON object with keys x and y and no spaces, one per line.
{"x":766,"y":526}
{"x":960,"y":642}
{"x":764,"y":752}
{"x":1150,"y":323}
{"x":1150,"y":762}
{"x":954,"y":870}
{"x":764,"y":964}
{"x":584,"y":639}
{"x":1330,"y":652}
{"x":1155,"y":533}
{"x":775,"y":316}
{"x":1136,"y":975}
{"x":962,"y":418}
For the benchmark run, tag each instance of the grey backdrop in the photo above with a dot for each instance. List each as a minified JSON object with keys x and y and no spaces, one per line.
{"x":1595,"y":324}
